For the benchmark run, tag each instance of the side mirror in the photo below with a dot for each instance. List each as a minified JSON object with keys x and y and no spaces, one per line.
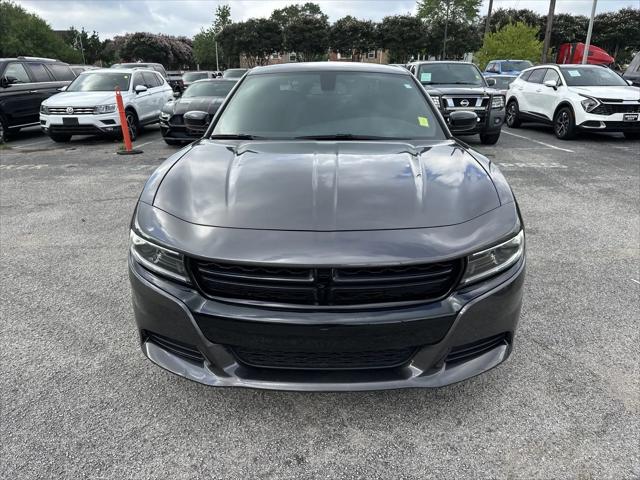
{"x":7,"y":80}
{"x":63,"y":89}
{"x":196,"y":121}
{"x":551,"y":84}
{"x":140,"y":88}
{"x":461,"y":121}
{"x":491,"y":82}
{"x":177,"y":94}
{"x":630,"y":82}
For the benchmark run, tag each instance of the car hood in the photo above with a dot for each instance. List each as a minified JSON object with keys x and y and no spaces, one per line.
{"x":326,"y":186}
{"x":457,"y":90}
{"x":618,"y":92}
{"x":81,"y":99}
{"x":204,"y":104}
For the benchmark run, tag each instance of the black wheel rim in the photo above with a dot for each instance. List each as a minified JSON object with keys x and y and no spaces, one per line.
{"x":511,"y":114}
{"x":1,"y":133}
{"x":133,"y":129}
{"x":562,"y":123}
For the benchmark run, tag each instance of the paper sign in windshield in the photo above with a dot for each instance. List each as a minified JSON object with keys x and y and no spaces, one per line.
{"x":574,"y":73}
{"x":425,"y":77}
{"x":423,"y":121}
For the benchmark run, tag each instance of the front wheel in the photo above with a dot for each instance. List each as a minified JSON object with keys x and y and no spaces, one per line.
{"x":513,"y":117}
{"x":3,"y":130}
{"x":489,"y":138}
{"x":133,"y":124}
{"x":60,"y":137}
{"x":632,"y":135}
{"x":564,"y":125}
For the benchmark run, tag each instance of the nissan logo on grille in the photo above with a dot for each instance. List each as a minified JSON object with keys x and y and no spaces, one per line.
{"x":69,"y":110}
{"x":464,"y":102}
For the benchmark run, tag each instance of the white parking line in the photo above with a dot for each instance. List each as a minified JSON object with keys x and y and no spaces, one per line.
{"x":22,"y":145}
{"x":539,"y":143}
{"x":634,"y":280}
{"x":143,"y":144}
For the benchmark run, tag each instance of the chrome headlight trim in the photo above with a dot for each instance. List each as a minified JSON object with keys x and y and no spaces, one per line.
{"x":487,"y":263}
{"x":158,"y":259}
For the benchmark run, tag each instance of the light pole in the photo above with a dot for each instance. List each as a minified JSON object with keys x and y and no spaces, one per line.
{"x":547,"y":32}
{"x":217,"y":66}
{"x":589,"y":32}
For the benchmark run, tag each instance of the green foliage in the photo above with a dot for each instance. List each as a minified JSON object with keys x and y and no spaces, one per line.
{"x":204,"y":43}
{"x":172,"y":52}
{"x":308,"y":37}
{"x":256,"y":39}
{"x":294,"y":13}
{"x":403,"y":36}
{"x":517,"y":40}
{"x":23,"y":33}
{"x":465,"y":11}
{"x":352,"y":36}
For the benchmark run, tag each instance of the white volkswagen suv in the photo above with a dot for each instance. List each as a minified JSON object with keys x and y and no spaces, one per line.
{"x":574,"y":97}
{"x":88,"y":105}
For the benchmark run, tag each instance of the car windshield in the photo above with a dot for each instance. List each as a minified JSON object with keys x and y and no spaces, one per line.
{"x":449,"y":74}
{"x":100,"y":82}
{"x":215,"y":88}
{"x":502,"y":83}
{"x":577,"y":76}
{"x":193,"y":76}
{"x":234,"y":73}
{"x":516,"y":65}
{"x":329,"y":105}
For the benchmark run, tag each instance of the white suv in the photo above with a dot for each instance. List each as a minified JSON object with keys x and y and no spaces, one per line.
{"x":88,"y":105}
{"x":574,"y":97}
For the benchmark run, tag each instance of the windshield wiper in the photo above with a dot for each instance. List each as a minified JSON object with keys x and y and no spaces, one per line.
{"x":236,"y":136}
{"x":345,"y":136}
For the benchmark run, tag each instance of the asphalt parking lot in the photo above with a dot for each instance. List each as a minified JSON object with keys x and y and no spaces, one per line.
{"x":79,"y":400}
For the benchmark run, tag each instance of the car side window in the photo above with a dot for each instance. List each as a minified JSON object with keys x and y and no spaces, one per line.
{"x":525,"y":75}
{"x":138,"y":80}
{"x":552,"y":75}
{"x":40,"y":73}
{"x":489,"y":67}
{"x":149,"y":79}
{"x":537,"y":75}
{"x":18,"y":72}
{"x":61,"y":72}
{"x":159,"y":79}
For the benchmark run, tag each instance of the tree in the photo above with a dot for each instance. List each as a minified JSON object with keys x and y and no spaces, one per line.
{"x":88,"y":46}
{"x":229,"y":39}
{"x":503,"y":17}
{"x":618,"y":32}
{"x":204,"y":43}
{"x":441,"y":12}
{"x":511,"y":41}
{"x":461,"y":38}
{"x":292,"y":13}
{"x":256,"y":39}
{"x":350,"y":36}
{"x":23,"y":33}
{"x":308,"y":37}
{"x":172,"y":52}
{"x":403,"y":36}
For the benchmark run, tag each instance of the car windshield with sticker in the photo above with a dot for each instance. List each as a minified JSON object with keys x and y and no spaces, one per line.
{"x":100,"y":82}
{"x":450,"y":73}
{"x":346,"y":105}
{"x":591,"y":76}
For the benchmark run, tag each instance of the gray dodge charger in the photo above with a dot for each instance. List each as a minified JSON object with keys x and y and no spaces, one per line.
{"x":327,"y":233}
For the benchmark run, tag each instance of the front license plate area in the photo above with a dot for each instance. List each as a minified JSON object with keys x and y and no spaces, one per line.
{"x":630,"y":117}
{"x":70,"y":121}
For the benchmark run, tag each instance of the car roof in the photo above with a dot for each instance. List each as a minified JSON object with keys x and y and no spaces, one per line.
{"x":117,"y":70}
{"x":510,"y":60}
{"x":327,"y":67}
{"x":216,"y":80}
{"x":31,"y":59}
{"x":428,"y":62}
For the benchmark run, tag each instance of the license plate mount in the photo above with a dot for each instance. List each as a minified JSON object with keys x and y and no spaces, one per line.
{"x":70,"y":121}
{"x":630,"y":117}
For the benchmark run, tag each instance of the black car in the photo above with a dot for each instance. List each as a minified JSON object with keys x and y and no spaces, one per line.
{"x":632,"y":73}
{"x":24,"y":83}
{"x":460,"y":86}
{"x":174,"y":79}
{"x":327,"y":233}
{"x":234,"y":73}
{"x":203,"y":96}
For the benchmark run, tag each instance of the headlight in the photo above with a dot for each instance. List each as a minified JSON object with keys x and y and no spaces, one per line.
{"x":493,"y":260}
{"x":104,"y":109}
{"x":497,"y":101}
{"x":435,"y":100}
{"x":158,"y":259}
{"x":44,"y":109}
{"x":589,"y":104}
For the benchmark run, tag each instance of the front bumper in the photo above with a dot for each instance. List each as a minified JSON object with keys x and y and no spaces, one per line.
{"x":609,"y":123}
{"x":175,"y":131}
{"x":104,"y":124}
{"x":207,"y":332}
{"x":489,"y":121}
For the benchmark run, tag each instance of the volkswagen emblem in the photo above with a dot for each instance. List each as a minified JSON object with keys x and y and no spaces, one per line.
{"x":69,"y":110}
{"x":463,"y":103}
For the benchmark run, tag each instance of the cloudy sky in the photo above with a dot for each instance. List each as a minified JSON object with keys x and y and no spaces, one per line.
{"x":186,"y":17}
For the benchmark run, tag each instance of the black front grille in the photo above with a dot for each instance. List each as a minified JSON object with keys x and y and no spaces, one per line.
{"x":469,"y":103}
{"x":188,"y":352}
{"x":75,"y":129}
{"x":324,"y":360}
{"x":466,"y":352}
{"x":176,"y":120}
{"x":326,"y":286}
{"x":611,"y":108}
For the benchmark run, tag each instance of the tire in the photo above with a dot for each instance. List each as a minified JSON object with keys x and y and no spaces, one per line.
{"x":564,"y":124}
{"x":512,"y":117}
{"x":4,"y":131}
{"x":632,"y":135}
{"x":489,"y":138}
{"x":171,"y":142}
{"x":60,"y":137}
{"x":134,"y":124}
